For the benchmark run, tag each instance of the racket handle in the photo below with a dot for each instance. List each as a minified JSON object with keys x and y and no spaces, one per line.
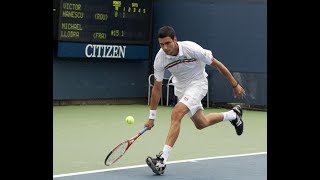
{"x":143,"y":130}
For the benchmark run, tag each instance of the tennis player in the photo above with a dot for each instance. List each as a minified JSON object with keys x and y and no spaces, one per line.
{"x":186,"y":61}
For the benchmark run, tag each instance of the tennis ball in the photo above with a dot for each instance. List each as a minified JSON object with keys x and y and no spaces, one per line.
{"x":129,"y":119}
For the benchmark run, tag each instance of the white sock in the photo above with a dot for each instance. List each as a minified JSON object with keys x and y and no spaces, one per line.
{"x":228,"y":116}
{"x":166,"y":152}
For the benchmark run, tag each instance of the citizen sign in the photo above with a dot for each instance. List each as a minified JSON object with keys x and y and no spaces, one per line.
{"x":105,"y":51}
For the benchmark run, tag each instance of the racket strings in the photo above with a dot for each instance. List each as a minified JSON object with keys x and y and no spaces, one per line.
{"x":117,"y":153}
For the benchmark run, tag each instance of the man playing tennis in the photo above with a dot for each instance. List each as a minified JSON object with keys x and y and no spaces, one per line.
{"x":186,"y":61}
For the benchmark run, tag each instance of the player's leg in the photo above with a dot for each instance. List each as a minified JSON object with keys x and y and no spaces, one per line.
{"x":177,"y":114}
{"x":202,"y":121}
{"x":189,"y":103}
{"x":158,"y":164}
{"x":197,"y":92}
{"x":234,"y":116}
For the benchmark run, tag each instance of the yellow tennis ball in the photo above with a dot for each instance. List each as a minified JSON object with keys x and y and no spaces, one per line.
{"x":129,"y":119}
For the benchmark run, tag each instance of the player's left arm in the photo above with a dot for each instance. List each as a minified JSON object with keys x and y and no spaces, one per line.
{"x":237,"y":88}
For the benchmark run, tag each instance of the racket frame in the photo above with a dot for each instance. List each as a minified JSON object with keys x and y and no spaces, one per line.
{"x":129,"y":141}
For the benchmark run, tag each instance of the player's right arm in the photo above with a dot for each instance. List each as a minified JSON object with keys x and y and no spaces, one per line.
{"x":156,"y":94}
{"x":156,"y":89}
{"x":155,"y":98}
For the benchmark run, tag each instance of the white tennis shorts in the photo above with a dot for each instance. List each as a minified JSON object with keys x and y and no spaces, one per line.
{"x":192,"y":95}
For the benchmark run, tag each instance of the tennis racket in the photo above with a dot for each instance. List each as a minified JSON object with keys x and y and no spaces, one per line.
{"x":121,"y":148}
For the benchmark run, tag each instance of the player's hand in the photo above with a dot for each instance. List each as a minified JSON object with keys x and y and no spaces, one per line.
{"x":149,"y":123}
{"x":239,"y":92}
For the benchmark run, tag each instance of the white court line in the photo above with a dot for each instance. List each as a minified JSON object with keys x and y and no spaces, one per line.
{"x":169,"y":162}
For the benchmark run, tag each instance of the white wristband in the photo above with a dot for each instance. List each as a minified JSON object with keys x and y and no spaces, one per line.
{"x":153,"y":114}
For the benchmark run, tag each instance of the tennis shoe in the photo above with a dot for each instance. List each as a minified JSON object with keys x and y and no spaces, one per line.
{"x":156,"y":164}
{"x":237,"y":122}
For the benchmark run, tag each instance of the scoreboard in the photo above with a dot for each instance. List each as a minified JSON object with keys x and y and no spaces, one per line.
{"x":105,"y":21}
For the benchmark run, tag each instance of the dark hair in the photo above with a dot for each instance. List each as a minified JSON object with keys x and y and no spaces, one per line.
{"x":166,"y":31}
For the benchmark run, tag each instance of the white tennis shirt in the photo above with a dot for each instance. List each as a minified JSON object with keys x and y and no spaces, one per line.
{"x":187,"y":66}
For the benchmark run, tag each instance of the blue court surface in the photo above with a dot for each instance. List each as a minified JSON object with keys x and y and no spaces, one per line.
{"x":234,"y":167}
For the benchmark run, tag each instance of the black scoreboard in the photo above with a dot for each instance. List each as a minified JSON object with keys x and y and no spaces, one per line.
{"x":105,"y":21}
